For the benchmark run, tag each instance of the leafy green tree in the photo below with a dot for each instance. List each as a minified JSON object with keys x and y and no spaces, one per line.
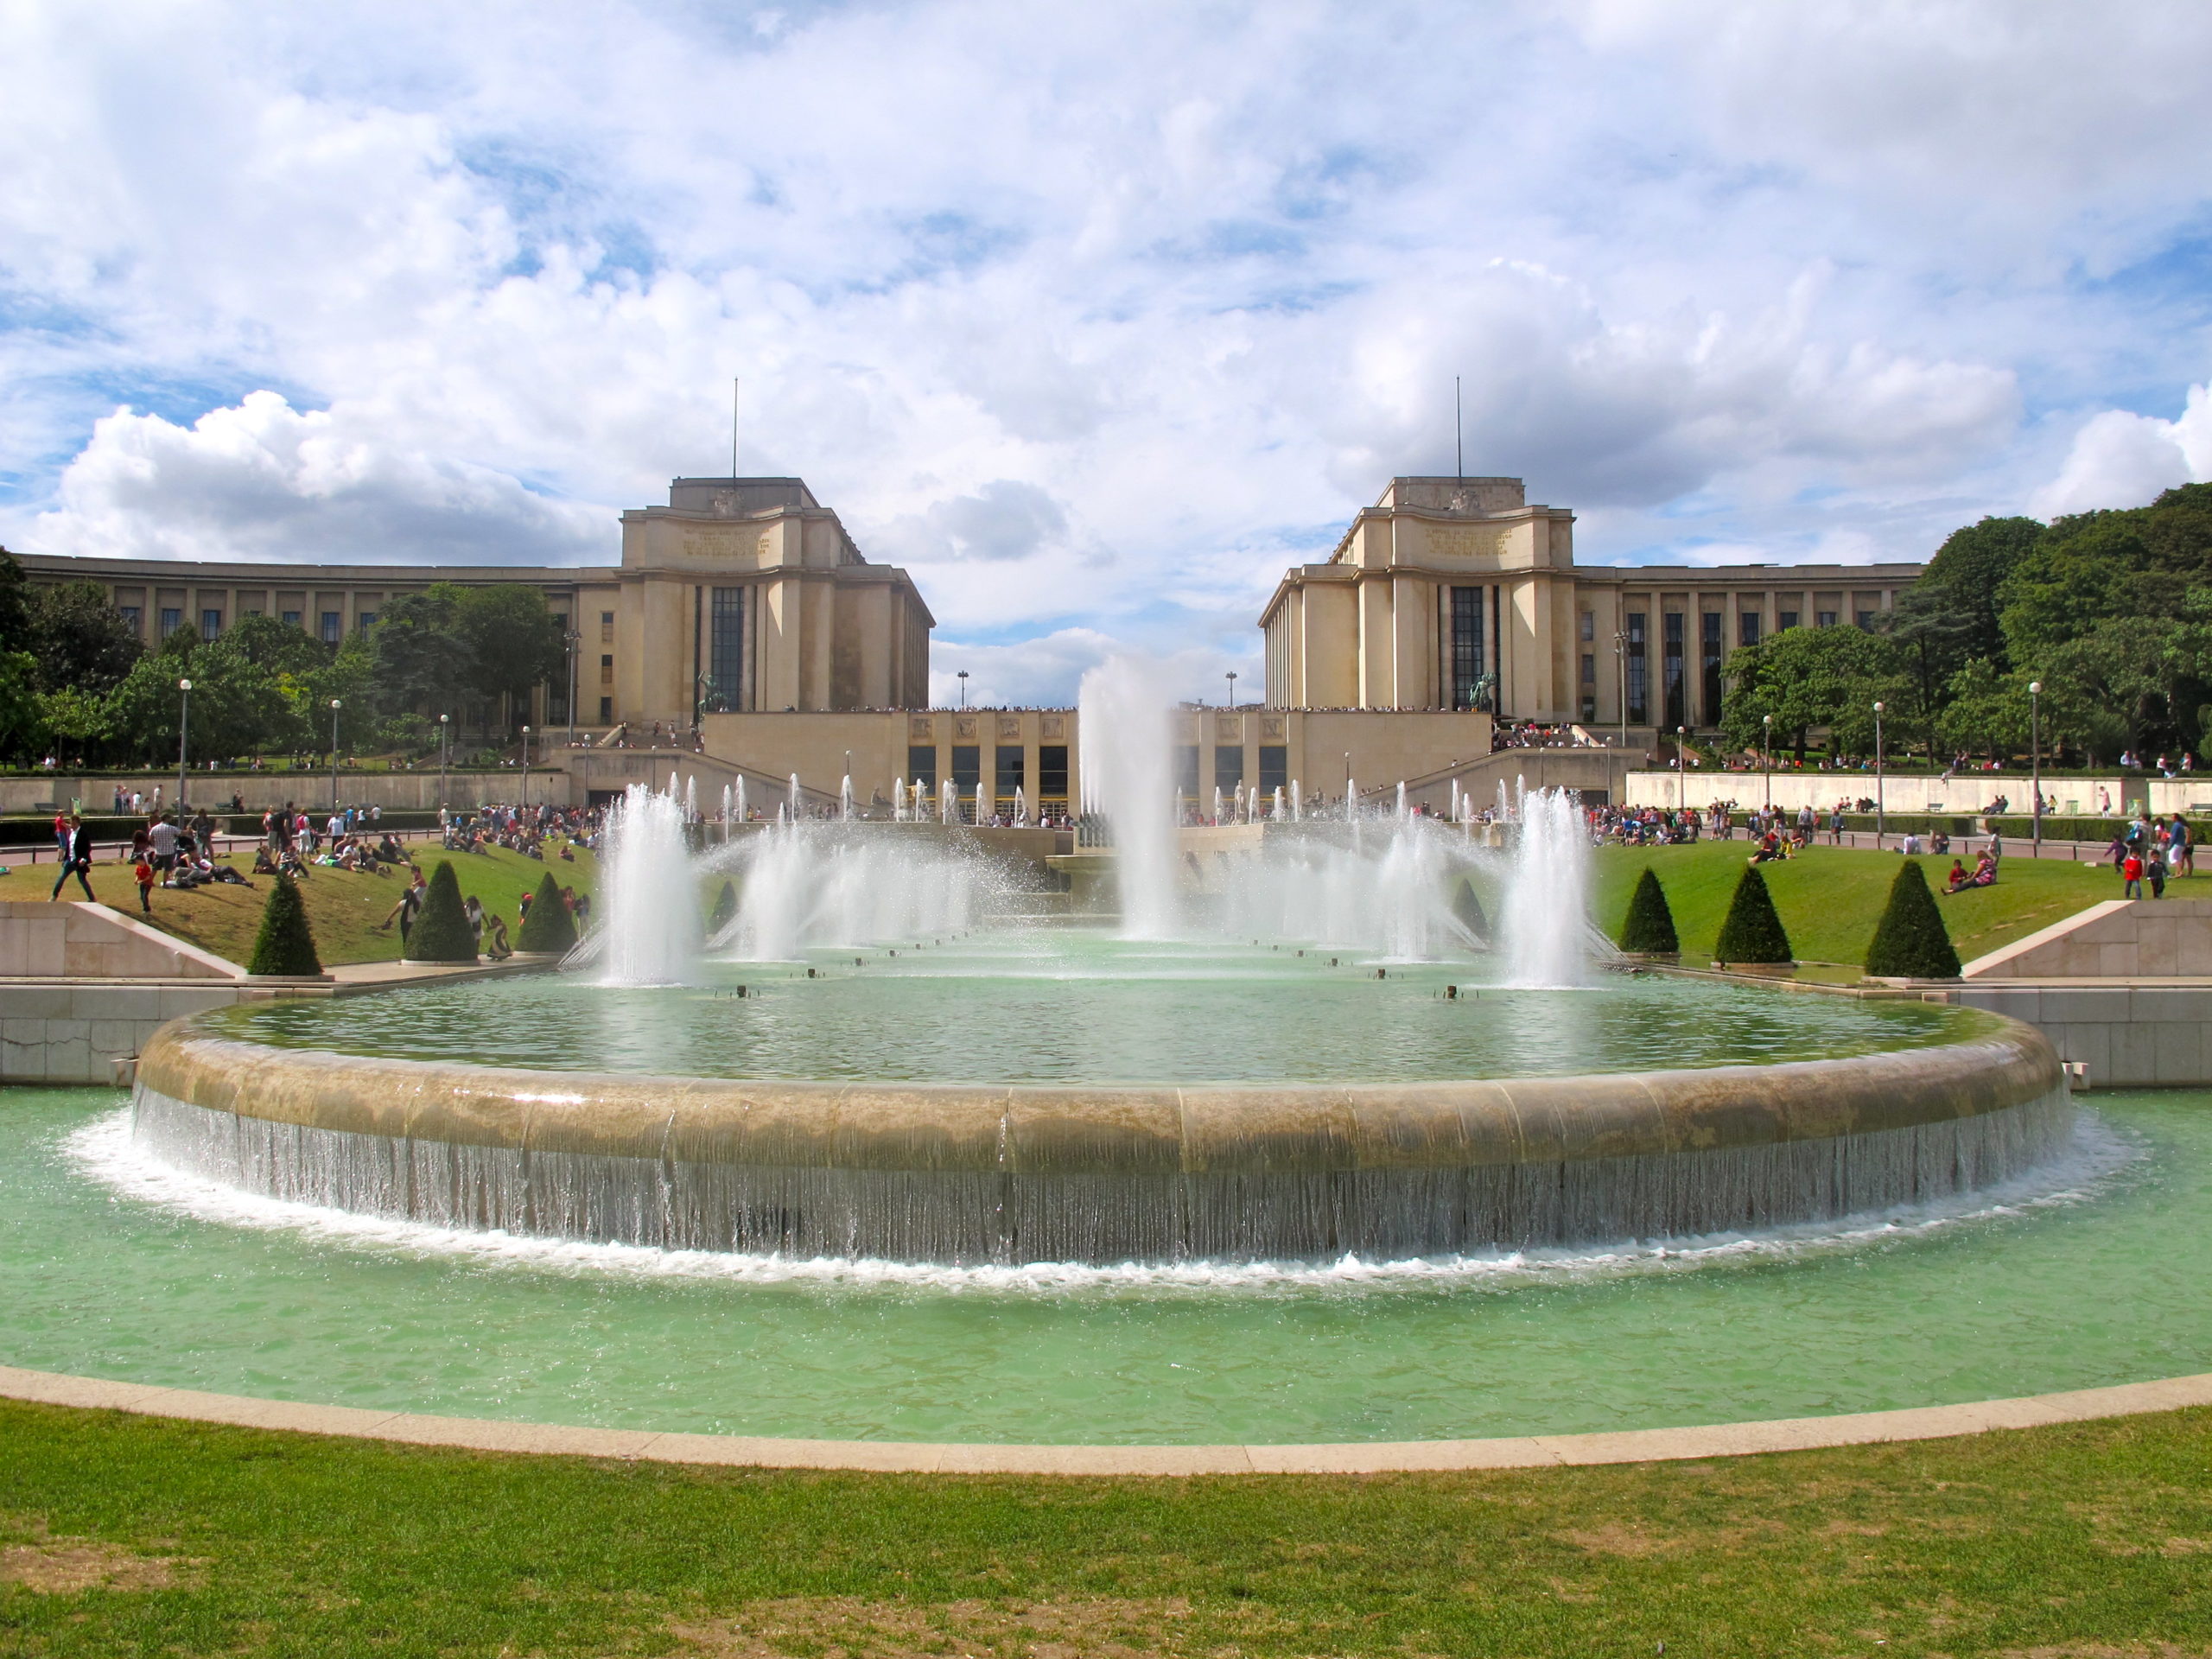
{"x":2127,"y":682}
{"x":1752,"y":931}
{"x":1650,"y":930}
{"x":15,"y":611}
{"x":2097,"y":567}
{"x":441,"y":932}
{"x":81,"y":641}
{"x":1809,"y":677}
{"x":1985,"y":710}
{"x":285,"y":944}
{"x":1955,"y":599}
{"x":22,"y":712}
{"x":420,"y":657}
{"x":515,"y":642}
{"x":1910,"y":941}
{"x":725,"y":908}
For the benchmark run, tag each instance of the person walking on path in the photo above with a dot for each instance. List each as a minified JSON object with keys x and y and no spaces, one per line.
{"x":79,"y":860}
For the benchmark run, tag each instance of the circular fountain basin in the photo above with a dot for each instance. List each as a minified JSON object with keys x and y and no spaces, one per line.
{"x":1259,"y":1106}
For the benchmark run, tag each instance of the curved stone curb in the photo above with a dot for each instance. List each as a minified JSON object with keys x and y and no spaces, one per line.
{"x":907,"y":1456}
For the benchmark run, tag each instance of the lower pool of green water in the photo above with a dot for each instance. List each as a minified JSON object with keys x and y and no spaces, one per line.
{"x":2090,"y":1274}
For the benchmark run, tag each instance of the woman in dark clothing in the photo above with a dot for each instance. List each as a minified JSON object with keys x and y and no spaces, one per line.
{"x":79,"y":861}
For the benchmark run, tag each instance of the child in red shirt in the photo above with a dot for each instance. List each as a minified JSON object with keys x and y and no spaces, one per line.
{"x":2130,"y":876}
{"x":144,"y":871}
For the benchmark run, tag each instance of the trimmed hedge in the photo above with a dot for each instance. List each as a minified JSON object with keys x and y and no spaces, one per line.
{"x":548,"y":927}
{"x":285,"y":944}
{"x":1910,"y":941}
{"x":441,"y":932}
{"x":1752,"y":931}
{"x":725,"y":910}
{"x":1650,"y":930}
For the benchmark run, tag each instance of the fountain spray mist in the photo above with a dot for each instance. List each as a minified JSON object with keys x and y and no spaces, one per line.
{"x":1546,"y":921}
{"x":1127,"y":776}
{"x":651,"y":936}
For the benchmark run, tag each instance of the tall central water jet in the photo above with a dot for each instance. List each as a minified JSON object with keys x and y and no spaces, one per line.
{"x":1545,"y":919}
{"x":652,"y":933}
{"x":1127,"y":776}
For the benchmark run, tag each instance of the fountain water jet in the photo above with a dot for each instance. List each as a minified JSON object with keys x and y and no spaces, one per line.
{"x":651,"y":936}
{"x":1127,"y":777}
{"x":1547,"y":895}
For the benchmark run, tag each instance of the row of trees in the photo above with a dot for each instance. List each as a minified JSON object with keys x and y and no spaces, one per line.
{"x":2111,"y":611}
{"x":75,"y":680}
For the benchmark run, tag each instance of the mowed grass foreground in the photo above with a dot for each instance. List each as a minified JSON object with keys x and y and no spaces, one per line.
{"x":1830,"y":898}
{"x":343,"y":907}
{"x":130,"y":1536}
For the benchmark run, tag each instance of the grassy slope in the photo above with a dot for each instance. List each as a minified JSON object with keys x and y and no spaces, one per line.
{"x":2087,"y":1539}
{"x":342,"y":908}
{"x":1830,"y":898}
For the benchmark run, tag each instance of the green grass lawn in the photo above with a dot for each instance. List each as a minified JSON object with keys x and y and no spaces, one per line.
{"x":125,"y":1536}
{"x":343,"y":908}
{"x":1830,"y":898}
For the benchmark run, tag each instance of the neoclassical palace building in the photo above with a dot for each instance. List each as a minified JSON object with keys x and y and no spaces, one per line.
{"x":743,"y":613}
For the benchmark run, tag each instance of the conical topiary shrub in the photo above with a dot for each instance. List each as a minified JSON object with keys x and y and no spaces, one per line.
{"x":1468,"y":910}
{"x":1910,"y":941}
{"x":442,"y":931}
{"x":285,"y":945}
{"x":1752,"y":932}
{"x":725,"y":910}
{"x":548,"y":927}
{"x":1650,"y":930}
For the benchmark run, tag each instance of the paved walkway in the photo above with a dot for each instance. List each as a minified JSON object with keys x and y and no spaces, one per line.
{"x":1531,"y":1451}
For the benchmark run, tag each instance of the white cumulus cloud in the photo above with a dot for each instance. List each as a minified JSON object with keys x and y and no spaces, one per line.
{"x":2124,"y":459}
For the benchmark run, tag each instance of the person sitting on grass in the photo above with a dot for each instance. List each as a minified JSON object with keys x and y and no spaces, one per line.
{"x":1769,"y":849}
{"x":1958,"y":877}
{"x":1984,"y":876}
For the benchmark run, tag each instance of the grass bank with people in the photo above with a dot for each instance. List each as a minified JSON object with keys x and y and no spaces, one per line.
{"x":1831,"y":897}
{"x":343,"y":906}
{"x":124,"y":1536}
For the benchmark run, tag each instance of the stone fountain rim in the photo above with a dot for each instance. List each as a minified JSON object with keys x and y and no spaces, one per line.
{"x":1109,"y":1128}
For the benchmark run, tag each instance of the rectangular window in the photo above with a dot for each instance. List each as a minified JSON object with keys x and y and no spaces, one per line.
{"x":1186,"y":770}
{"x":1670,"y":667}
{"x":1747,"y":628}
{"x":606,"y":711}
{"x":967,"y":768}
{"x":334,"y":627}
{"x":291,"y":618}
{"x":211,"y":625}
{"x":1012,"y":771}
{"x":1228,"y":766}
{"x":1639,"y":688}
{"x":1589,"y":710}
{"x":1275,"y":767}
{"x":1052,"y":771}
{"x":1867,"y":621}
{"x":557,"y":702}
{"x":366,"y":620}
{"x":1466,"y":647}
{"x":1589,"y":627}
{"x":1784,"y":621}
{"x":1589,"y":668}
{"x":606,"y":671}
{"x":131,"y":615}
{"x":921,"y":765}
{"x":725,"y":650}
{"x":172,"y":620}
{"x":1709,"y":653}
{"x":606,"y":628}
{"x":1824,"y":619}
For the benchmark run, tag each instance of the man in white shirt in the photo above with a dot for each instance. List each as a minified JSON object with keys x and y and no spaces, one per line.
{"x":163,"y":836}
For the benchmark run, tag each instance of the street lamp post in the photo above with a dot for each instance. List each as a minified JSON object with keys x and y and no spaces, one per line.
{"x":445,"y":752}
{"x":1681,"y":768}
{"x":2035,"y":756}
{"x":1881,"y":800}
{"x":183,"y":729}
{"x":333,"y":756}
{"x":1620,"y":665}
{"x":1232,"y":677}
{"x":1766,"y":756}
{"x":574,"y":639}
{"x":963,"y":678}
{"x":525,"y":769}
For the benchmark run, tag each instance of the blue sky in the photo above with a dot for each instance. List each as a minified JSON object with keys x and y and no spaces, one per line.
{"x":1096,"y":319}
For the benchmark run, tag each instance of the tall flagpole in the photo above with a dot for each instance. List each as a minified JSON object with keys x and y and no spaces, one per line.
{"x":734,"y":385}
{"x":1459,"y":435}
